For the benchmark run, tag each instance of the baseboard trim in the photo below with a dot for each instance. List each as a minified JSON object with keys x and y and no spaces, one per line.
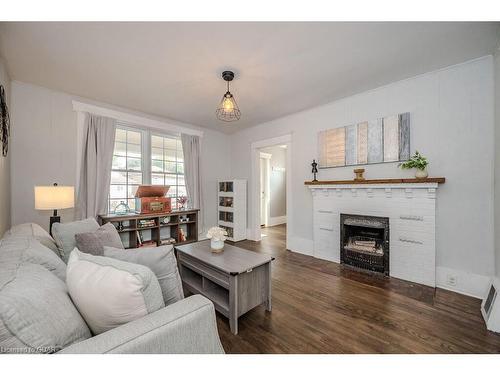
{"x":300,"y":245}
{"x":467,"y":283}
{"x":276,"y":220}
{"x":251,"y":235}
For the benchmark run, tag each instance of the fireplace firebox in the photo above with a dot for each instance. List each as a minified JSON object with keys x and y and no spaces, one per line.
{"x":364,"y":242}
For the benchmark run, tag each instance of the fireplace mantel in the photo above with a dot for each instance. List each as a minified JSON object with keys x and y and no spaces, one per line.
{"x":437,"y":180}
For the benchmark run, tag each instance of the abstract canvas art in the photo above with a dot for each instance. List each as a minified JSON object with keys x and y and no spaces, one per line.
{"x":383,"y":140}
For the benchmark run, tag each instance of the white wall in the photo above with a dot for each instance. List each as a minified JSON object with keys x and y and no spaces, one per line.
{"x":497,"y":161}
{"x":452,"y":123}
{"x":277,"y":177}
{"x":5,"y":162}
{"x":44,"y":151}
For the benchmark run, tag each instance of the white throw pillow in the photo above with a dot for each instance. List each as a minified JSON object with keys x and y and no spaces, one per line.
{"x":110,"y":292}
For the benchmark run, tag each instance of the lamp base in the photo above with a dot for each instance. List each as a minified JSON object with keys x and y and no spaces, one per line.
{"x":53,"y":219}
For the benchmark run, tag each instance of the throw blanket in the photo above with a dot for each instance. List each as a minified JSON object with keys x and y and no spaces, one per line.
{"x":4,"y":122}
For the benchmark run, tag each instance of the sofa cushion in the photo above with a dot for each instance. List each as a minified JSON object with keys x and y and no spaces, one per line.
{"x":64,"y":234}
{"x":94,"y":242}
{"x":28,"y":250}
{"x":36,"y":253}
{"x":28,"y":230}
{"x":36,"y":312}
{"x":161,"y":260}
{"x":109,"y":292}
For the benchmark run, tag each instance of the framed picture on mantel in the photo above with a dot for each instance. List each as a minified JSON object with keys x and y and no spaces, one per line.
{"x":383,"y":140}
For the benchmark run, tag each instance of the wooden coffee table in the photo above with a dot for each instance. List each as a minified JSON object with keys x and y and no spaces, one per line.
{"x":236,"y":280}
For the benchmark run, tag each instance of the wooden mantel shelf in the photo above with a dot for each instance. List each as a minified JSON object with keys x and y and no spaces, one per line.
{"x":439,"y":180}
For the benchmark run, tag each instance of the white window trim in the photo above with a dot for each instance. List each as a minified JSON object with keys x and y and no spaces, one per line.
{"x":146,"y":179}
{"x":135,"y":121}
{"x":145,"y":151}
{"x":123,"y":116}
{"x":146,"y":135}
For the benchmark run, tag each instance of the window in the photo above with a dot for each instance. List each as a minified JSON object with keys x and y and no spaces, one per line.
{"x":167,"y":165}
{"x":126,"y":170}
{"x":140,"y":157}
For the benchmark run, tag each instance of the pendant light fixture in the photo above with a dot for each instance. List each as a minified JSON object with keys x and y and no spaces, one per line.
{"x":228,"y":109}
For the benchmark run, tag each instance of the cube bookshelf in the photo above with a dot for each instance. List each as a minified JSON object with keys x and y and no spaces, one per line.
{"x":232,"y":208}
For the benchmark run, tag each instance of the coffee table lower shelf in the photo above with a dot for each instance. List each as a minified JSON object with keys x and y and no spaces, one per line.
{"x":198,"y":284}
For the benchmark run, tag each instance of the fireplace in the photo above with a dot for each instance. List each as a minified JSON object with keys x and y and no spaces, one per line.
{"x":364,"y":242}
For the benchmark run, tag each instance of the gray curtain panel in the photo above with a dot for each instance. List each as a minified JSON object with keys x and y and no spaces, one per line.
{"x":191,"y":149}
{"x":95,"y":176}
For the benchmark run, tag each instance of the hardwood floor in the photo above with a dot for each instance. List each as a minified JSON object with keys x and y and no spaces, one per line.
{"x":320,"y":307}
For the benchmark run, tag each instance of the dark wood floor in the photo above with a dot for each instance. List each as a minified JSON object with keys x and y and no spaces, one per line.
{"x":320,"y":307}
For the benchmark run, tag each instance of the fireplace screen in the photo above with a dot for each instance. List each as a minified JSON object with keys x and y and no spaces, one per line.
{"x":364,"y":242}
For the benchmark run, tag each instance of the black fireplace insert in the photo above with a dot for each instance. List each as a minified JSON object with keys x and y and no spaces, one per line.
{"x":364,"y":242}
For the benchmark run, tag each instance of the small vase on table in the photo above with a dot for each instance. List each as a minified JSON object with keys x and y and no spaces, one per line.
{"x":217,"y":237}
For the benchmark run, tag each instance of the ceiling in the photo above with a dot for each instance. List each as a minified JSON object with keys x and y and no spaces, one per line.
{"x":173,"y":69}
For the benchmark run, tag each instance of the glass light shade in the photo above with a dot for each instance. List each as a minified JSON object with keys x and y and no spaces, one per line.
{"x":54,"y":197}
{"x":228,"y":109}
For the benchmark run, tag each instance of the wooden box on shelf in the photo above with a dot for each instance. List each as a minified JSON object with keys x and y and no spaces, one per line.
{"x":146,"y":230}
{"x":151,"y":199}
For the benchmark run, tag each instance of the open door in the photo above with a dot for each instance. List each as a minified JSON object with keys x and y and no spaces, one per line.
{"x":264,"y":188}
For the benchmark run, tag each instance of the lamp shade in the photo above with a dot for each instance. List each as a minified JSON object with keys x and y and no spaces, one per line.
{"x":54,"y":197}
{"x":228,"y":109}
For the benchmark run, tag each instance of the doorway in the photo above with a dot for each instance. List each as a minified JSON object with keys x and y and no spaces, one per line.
{"x":273,"y":185}
{"x":270,"y":193}
{"x":265,"y":187}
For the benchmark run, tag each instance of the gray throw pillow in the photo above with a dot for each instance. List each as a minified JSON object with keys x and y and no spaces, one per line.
{"x":94,"y":242}
{"x":64,"y":234}
{"x":161,"y":260}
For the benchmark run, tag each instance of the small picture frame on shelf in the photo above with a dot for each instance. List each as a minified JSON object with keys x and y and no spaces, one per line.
{"x":182,"y":235}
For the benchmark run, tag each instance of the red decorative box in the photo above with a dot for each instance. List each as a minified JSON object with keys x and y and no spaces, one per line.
{"x":151,"y":199}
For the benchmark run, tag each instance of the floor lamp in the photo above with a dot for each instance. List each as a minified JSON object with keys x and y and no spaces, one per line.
{"x":54,"y":198}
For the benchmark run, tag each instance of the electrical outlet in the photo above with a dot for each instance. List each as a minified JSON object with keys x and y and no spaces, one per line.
{"x":451,"y":280}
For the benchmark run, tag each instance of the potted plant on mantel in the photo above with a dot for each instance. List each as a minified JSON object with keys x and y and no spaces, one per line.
{"x":419,"y":162}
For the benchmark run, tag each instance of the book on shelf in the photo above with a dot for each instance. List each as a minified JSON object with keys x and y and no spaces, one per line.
{"x":149,"y":243}
{"x":139,"y":238}
{"x":146,"y":223}
{"x":168,"y":241}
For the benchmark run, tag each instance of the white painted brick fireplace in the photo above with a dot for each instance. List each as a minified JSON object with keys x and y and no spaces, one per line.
{"x":411,"y":209}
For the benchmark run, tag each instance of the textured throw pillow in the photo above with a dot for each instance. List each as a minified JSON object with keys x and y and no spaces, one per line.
{"x":161,"y":260}
{"x":64,"y":234}
{"x":94,"y":242}
{"x":36,"y":312}
{"x":109,"y":292}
